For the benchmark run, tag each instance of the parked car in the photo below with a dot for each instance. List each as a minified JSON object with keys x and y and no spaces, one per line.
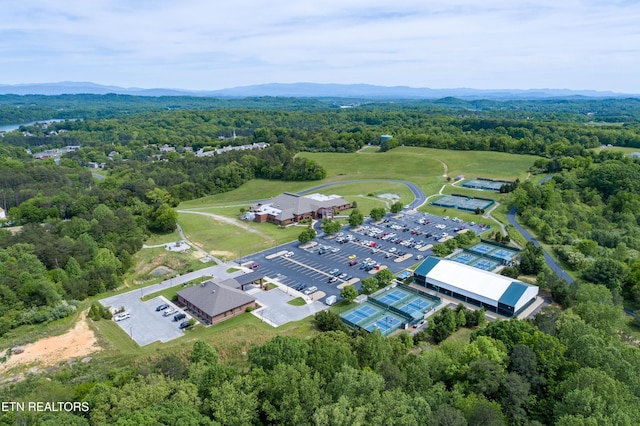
{"x":288,"y":254}
{"x":420,"y":323}
{"x":254,"y":265}
{"x":310,"y":290}
{"x":353,"y":262}
{"x":353,"y":256}
{"x":121,"y":316}
{"x":178,"y":317}
{"x":343,"y":276}
{"x":169,"y":312}
{"x":184,"y":324}
{"x":162,"y":307}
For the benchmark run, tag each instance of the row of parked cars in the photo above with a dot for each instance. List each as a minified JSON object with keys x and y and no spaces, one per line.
{"x":305,"y":289}
{"x":170,"y":310}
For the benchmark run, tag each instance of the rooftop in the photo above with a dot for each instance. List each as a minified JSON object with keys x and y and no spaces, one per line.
{"x":215,"y":298}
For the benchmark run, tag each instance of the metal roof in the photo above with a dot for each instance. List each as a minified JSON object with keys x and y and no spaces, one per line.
{"x":513,"y":293}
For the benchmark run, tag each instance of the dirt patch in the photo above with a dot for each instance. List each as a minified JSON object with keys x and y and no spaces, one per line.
{"x":14,"y":229}
{"x":227,"y":254}
{"x":197,"y":254}
{"x":80,"y":341}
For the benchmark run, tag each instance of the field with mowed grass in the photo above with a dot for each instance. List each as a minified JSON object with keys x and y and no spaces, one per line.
{"x":417,"y":164}
{"x":227,"y":241}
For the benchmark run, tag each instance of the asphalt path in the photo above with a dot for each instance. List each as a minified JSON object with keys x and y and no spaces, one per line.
{"x":511,"y":216}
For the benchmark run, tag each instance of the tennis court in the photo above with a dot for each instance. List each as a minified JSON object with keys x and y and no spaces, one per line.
{"x":481,"y":248}
{"x":403,"y":301}
{"x":387,"y":324}
{"x":494,"y":252}
{"x":360,"y":314}
{"x":491,"y":185}
{"x":417,"y":304}
{"x":504,"y":254}
{"x":392,"y":297}
{"x":463,"y":203}
{"x":485,"y":265}
{"x":464,"y":258}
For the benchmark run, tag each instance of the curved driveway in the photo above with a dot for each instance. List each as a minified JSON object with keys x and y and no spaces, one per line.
{"x":511,"y":216}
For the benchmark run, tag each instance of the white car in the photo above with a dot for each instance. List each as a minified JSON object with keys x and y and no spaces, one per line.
{"x":288,"y":254}
{"x":310,"y":290}
{"x":121,"y":316}
{"x":170,"y":311}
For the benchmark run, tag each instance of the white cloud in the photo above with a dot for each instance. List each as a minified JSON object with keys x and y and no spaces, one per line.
{"x":201,"y":44}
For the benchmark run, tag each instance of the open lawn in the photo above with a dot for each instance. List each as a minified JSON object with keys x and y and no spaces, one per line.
{"x":156,"y":239}
{"x":249,"y":193}
{"x":415,"y":164}
{"x":228,"y":241}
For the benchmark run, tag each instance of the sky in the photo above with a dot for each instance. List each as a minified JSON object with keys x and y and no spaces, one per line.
{"x":215,"y":44}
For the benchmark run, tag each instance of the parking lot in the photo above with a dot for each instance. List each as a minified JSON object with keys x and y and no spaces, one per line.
{"x":146,"y":325}
{"x":331,"y":262}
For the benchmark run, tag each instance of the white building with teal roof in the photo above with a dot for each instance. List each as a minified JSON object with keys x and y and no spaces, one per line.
{"x":496,"y":293}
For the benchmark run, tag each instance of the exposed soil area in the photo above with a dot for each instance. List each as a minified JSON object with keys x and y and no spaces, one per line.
{"x":78,"y":342}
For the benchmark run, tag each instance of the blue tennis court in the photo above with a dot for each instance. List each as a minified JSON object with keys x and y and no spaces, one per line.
{"x":360,"y":314}
{"x":392,"y":297}
{"x":481,"y":248}
{"x":485,"y":265}
{"x":386,"y":324}
{"x":417,"y":304}
{"x":465,"y":258}
{"x":504,"y":254}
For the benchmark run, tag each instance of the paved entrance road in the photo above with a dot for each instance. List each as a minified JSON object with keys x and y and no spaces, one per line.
{"x":511,"y":216}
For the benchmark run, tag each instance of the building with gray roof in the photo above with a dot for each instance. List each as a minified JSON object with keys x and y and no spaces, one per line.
{"x":288,"y":208}
{"x":214,"y":302}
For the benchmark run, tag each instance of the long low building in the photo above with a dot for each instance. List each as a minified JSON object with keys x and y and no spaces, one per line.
{"x":496,"y":293}
{"x":288,"y":208}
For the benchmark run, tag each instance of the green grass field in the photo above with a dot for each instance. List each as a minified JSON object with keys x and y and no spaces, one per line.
{"x":416,"y":164}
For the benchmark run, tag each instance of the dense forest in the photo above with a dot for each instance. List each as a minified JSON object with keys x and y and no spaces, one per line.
{"x":565,"y":368}
{"x":571,"y":365}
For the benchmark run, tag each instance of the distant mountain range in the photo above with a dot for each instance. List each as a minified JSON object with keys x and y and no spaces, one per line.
{"x":312,"y":90}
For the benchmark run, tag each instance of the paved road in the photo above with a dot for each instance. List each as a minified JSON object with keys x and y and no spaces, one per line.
{"x":511,"y":216}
